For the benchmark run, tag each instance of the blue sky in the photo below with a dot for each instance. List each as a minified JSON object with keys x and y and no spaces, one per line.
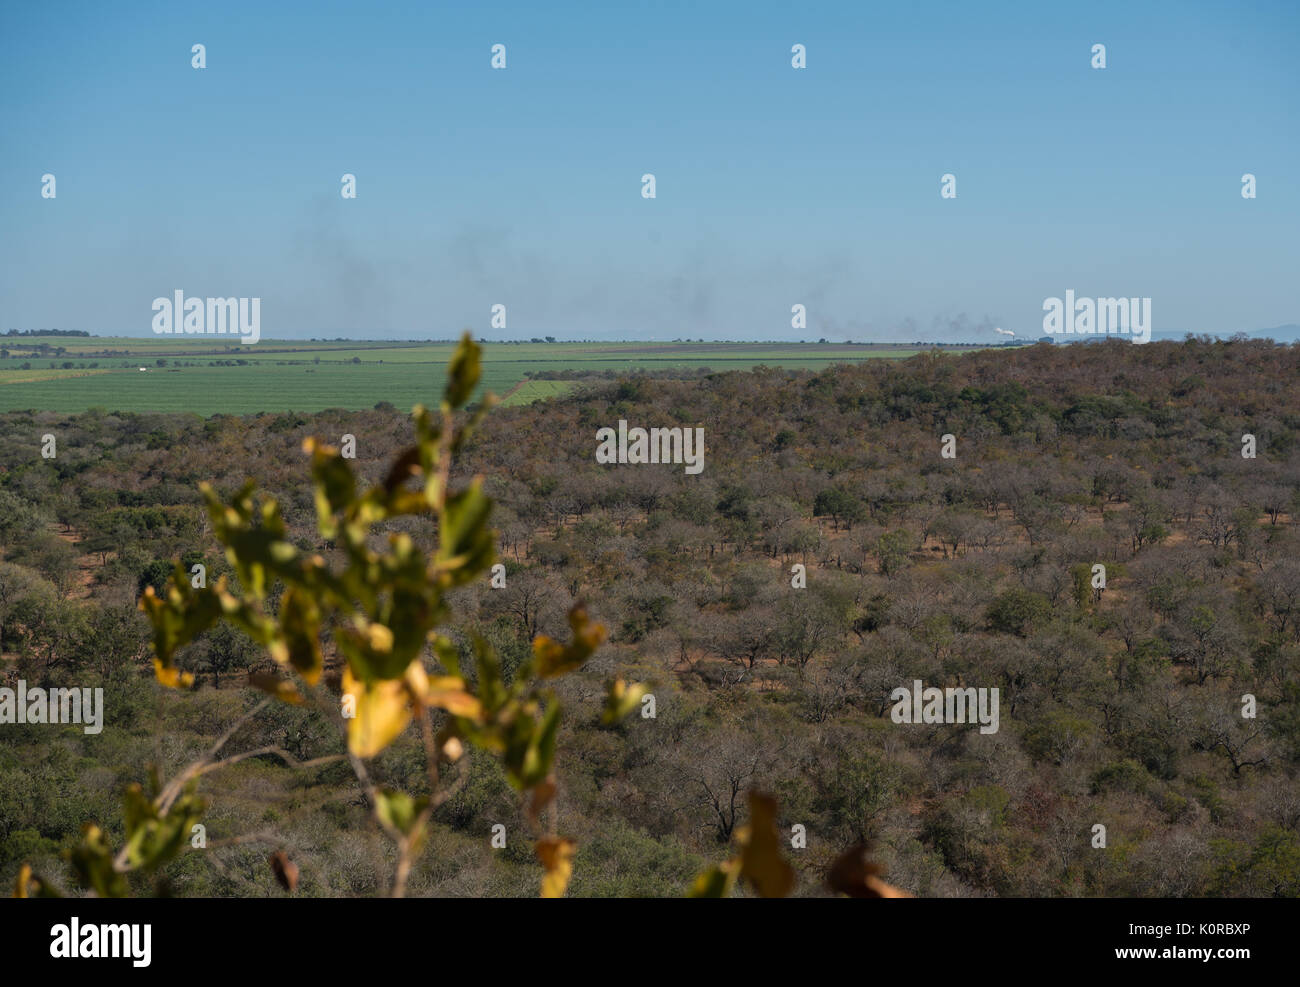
{"x":775,"y":186}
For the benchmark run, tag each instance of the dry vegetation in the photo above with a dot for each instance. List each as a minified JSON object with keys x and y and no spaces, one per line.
{"x":1120,"y":707}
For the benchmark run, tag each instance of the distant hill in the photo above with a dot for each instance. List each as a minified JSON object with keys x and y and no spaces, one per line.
{"x":1289,"y":333}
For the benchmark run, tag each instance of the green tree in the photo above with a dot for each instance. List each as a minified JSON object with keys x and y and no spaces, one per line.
{"x":1017,"y":611}
{"x":893,"y":550}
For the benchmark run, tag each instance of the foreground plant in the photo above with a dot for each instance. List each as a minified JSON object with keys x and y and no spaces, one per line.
{"x":383,"y":610}
{"x":761,"y":866}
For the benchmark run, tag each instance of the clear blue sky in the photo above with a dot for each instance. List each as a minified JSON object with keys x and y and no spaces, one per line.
{"x":774,"y":186}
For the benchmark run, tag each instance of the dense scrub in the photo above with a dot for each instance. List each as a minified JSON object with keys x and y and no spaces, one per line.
{"x":1120,"y":707}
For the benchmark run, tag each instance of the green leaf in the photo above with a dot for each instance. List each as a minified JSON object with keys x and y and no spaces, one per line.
{"x":463,"y":372}
{"x":541,"y":749}
{"x":92,"y":865}
{"x":398,"y":810}
{"x":300,"y":621}
{"x":716,"y":882}
{"x":553,"y":658}
{"x":465,"y":540}
{"x":447,"y":654}
{"x":336,"y":487}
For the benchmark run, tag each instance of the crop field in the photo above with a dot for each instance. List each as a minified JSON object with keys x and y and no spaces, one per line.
{"x":528,"y":391}
{"x":70,"y":374}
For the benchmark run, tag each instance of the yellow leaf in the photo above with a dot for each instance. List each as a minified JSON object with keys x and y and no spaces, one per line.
{"x":761,"y":863}
{"x":443,"y":692}
{"x":381,"y":638}
{"x":382,"y":711}
{"x":24,"y":877}
{"x":282,"y":689}
{"x":172,"y":677}
{"x":620,"y":699}
{"x":441,"y":682}
{"x":556,"y":855}
{"x":456,"y":702}
{"x":417,"y":679}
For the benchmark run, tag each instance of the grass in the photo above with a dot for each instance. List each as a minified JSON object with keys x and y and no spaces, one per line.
{"x":299,"y":375}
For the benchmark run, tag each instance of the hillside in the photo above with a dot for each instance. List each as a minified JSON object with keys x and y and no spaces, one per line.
{"x":1120,"y":706}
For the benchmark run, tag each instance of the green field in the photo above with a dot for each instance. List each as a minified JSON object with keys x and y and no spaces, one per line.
{"x":528,"y":391}
{"x":299,"y":375}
